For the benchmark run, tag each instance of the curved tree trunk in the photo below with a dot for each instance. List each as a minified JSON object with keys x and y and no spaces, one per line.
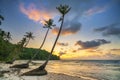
{"x":39,"y":47}
{"x":27,"y":42}
{"x":42,"y":67}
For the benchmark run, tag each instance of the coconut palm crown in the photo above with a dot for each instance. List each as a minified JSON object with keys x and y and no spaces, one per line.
{"x":29,"y":35}
{"x":49,"y":24}
{"x":63,"y":9}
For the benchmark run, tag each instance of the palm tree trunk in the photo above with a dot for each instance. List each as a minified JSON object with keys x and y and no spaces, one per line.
{"x":27,"y":42}
{"x":42,"y":67}
{"x":39,"y":47}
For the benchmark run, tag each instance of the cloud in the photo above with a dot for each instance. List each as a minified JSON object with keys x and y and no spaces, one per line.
{"x":95,"y":10}
{"x":62,"y":44}
{"x":62,"y":53}
{"x":91,"y":44}
{"x":74,"y":51}
{"x":115,"y":49}
{"x":110,"y":30}
{"x":34,"y":14}
{"x":113,"y":56}
{"x":68,"y":29}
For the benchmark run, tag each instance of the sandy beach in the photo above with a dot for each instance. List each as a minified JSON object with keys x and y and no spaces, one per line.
{"x":49,"y":76}
{"x":66,"y":70}
{"x":52,"y":76}
{"x":14,"y":74}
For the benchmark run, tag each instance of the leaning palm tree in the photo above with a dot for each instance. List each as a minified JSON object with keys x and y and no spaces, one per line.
{"x":63,"y":9}
{"x":48,"y":24}
{"x":1,"y":18}
{"x":29,"y":35}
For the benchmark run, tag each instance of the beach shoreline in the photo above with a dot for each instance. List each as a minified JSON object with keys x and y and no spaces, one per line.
{"x":62,"y":70}
{"x":53,"y":76}
{"x":49,"y":76}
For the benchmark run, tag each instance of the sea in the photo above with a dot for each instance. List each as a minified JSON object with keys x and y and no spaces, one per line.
{"x":86,"y":69}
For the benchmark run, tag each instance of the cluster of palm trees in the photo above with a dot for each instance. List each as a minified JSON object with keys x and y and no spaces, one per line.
{"x":21,"y":45}
{"x":5,"y":35}
{"x":63,"y":9}
{"x":48,"y":24}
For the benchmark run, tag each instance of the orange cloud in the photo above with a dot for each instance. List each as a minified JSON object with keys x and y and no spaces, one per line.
{"x":95,"y":10}
{"x":34,"y":14}
{"x":64,"y":32}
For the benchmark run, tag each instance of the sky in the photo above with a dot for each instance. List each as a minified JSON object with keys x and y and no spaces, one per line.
{"x":91,"y":29}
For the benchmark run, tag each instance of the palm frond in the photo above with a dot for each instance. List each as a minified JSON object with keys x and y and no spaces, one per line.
{"x":49,"y":24}
{"x":63,"y":9}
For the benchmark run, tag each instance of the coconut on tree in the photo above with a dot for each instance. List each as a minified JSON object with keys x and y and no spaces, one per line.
{"x":63,"y":9}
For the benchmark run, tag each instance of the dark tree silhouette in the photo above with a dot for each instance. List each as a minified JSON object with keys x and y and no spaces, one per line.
{"x":29,"y":35}
{"x":2,"y":34}
{"x":63,"y":9}
{"x":1,"y":19}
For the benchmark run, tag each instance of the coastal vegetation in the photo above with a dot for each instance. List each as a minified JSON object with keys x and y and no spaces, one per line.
{"x":10,"y":51}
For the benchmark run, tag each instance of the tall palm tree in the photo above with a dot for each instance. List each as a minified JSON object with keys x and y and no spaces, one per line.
{"x":63,"y":9}
{"x":48,"y":24}
{"x":28,"y":35}
{"x":22,"y":43}
{"x":1,"y":18}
